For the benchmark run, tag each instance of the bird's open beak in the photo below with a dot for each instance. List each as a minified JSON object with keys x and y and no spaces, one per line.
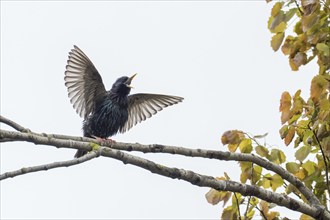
{"x":128,"y":82}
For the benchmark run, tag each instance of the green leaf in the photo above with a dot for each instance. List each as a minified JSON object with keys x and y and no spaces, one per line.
{"x":276,"y":181}
{"x":302,"y":153}
{"x":292,"y":167}
{"x":324,"y":48}
{"x":289,"y":14}
{"x":277,"y":156}
{"x":262,"y":151}
{"x":284,"y":131}
{"x":308,"y":137}
{"x":260,"y":136}
{"x":294,"y":118}
{"x":277,"y":40}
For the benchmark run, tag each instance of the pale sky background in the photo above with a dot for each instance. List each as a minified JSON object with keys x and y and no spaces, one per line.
{"x":215,"y":54}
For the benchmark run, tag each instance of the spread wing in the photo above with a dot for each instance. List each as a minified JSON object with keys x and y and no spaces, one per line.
{"x":84,"y":83}
{"x":142,"y":106}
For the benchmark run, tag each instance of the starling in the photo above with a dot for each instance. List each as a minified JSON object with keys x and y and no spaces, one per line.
{"x":106,"y":113}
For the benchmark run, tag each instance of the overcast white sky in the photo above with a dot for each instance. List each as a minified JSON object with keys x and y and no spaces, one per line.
{"x":214,"y":54}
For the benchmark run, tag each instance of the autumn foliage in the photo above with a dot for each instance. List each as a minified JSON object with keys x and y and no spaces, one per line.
{"x":301,"y":29}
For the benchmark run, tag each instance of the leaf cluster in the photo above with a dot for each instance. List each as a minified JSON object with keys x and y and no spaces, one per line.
{"x":305,"y":122}
{"x":311,"y":30}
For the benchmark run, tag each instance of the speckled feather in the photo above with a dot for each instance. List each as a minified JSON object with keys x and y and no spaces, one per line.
{"x":106,"y":113}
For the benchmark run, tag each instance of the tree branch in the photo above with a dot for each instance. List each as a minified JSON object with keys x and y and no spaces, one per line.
{"x":13,"y":124}
{"x":186,"y":175}
{"x":46,"y":167}
{"x":223,"y":185}
{"x":84,"y":143}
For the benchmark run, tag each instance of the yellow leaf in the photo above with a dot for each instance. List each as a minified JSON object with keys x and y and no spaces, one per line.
{"x":246,"y":171}
{"x":280,"y":28}
{"x":318,"y":86}
{"x":310,"y":167}
{"x":264,"y":206}
{"x":256,"y":174}
{"x":305,"y":217}
{"x":226,"y":176}
{"x":276,"y":8}
{"x":232,"y":147}
{"x":287,"y":47}
{"x":285,"y":105}
{"x":301,"y":174}
{"x":245,"y":146}
{"x":288,"y":138}
{"x":229,"y":213}
{"x":277,"y":40}
{"x":214,"y":196}
{"x":266,"y":183}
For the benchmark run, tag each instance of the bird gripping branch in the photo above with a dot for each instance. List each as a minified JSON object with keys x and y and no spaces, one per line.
{"x":106,"y":113}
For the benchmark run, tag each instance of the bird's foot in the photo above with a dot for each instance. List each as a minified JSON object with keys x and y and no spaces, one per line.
{"x":104,"y":140}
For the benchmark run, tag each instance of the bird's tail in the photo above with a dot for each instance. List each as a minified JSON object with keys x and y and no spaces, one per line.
{"x":80,"y":153}
{"x":86,"y":125}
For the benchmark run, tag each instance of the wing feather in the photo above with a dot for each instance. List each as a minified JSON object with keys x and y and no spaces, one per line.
{"x":142,"y":106}
{"x":83,"y":82}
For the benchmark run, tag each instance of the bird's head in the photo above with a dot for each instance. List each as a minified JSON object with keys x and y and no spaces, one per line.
{"x":122,"y":86}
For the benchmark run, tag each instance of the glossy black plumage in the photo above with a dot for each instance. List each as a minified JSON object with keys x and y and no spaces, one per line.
{"x":106,"y":113}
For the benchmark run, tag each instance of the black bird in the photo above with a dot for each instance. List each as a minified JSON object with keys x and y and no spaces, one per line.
{"x":106,"y":113}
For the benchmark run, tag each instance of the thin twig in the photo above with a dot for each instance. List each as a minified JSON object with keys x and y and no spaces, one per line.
{"x":46,"y":167}
{"x":323,"y":156}
{"x":238,"y":209}
{"x":247,"y":208}
{"x":13,"y":124}
{"x":301,"y":12}
{"x":262,"y":213}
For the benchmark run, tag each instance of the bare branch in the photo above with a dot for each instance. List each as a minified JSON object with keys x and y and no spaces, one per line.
{"x":13,"y":124}
{"x":75,"y":142}
{"x":46,"y":167}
